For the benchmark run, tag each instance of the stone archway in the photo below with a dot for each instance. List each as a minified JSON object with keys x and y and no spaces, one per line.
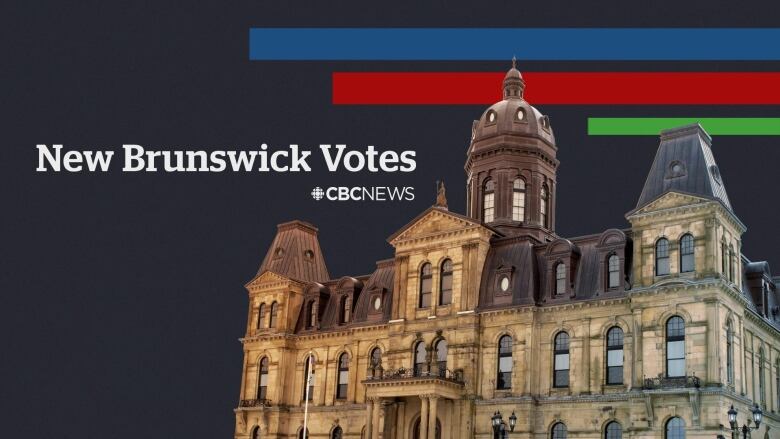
{"x":416,"y":429}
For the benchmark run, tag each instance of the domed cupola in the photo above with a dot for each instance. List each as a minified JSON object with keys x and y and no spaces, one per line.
{"x":512,"y":165}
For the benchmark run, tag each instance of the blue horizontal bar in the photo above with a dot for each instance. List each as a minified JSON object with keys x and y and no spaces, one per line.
{"x":447,"y":44}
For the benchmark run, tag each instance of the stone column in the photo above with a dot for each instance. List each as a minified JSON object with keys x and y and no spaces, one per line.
{"x":369,"y":417}
{"x":637,"y":371}
{"x":375,"y":420}
{"x":423,"y":416}
{"x":713,"y":342}
{"x":585,"y":386}
{"x":400,"y":419}
{"x":434,"y":400}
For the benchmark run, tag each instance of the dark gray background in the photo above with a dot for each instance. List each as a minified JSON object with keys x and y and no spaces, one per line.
{"x":122,"y":296}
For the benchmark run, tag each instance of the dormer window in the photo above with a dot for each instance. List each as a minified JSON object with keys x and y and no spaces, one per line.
{"x":520,"y":114}
{"x":309,"y":255}
{"x":560,"y":278}
{"x":491,"y":117}
{"x":613,"y":271}
{"x":518,"y":200}
{"x":488,"y":202}
{"x":311,"y":315}
{"x":344,"y":310}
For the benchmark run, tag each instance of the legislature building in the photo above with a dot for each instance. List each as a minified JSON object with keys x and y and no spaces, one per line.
{"x":489,"y":324}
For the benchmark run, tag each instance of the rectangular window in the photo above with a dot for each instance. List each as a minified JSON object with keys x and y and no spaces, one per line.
{"x":446,"y":290}
{"x":504,"y":373}
{"x":425,"y":292}
{"x":489,"y":214}
{"x":615,"y":366}
{"x":518,"y":206}
{"x":675,"y":361}
{"x":561,"y":378}
{"x":341,"y":392}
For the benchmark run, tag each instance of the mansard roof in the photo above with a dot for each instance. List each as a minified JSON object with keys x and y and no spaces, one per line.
{"x":530,"y":263}
{"x":295,"y":253}
{"x":756,"y":278}
{"x":361,"y":289}
{"x":684,"y":163}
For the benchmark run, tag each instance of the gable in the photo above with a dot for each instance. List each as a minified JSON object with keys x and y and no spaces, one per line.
{"x":435,"y":222}
{"x":669,"y":200}
{"x":267,"y":279}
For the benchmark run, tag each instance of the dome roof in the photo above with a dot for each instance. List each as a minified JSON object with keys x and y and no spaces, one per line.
{"x":513,"y":115}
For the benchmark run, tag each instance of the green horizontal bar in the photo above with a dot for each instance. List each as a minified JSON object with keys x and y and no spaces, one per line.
{"x":652,"y":126}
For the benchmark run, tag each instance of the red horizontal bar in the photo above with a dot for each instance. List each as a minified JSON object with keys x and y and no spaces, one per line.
{"x":631,"y":88}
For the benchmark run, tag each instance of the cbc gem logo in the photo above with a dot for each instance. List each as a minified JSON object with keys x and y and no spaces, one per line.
{"x":363,"y":193}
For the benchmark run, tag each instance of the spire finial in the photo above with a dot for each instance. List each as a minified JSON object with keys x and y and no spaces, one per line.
{"x":514,"y":62}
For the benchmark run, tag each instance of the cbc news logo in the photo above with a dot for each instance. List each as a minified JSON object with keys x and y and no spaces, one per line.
{"x":363,"y":193}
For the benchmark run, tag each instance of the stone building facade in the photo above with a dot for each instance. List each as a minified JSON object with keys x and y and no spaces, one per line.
{"x":653,"y":331}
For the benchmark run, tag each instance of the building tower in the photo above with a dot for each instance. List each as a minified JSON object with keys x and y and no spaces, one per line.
{"x":511,"y":166}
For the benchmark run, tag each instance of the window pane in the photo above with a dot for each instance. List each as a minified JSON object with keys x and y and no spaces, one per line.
{"x":614,"y":431}
{"x":505,"y":364}
{"x":675,"y":349}
{"x":686,"y":263}
{"x":615,"y":375}
{"x":562,"y":362}
{"x":676,"y":368}
{"x":561,"y":378}
{"x":615,"y":357}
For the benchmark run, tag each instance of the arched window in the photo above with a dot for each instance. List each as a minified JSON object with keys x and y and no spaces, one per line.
{"x":687,"y":262}
{"x":504,"y":377}
{"x":729,"y":353}
{"x":261,"y":316}
{"x":309,"y":363}
{"x":777,"y":381}
{"x":560,"y":278}
{"x":761,"y":377}
{"x":376,"y":357}
{"x":675,"y":428}
{"x":311,"y":315}
{"x":675,"y":347}
{"x":544,"y":199}
{"x":615,"y":356}
{"x":419,"y":358}
{"x":256,"y":432}
{"x":613,"y":271}
{"x":489,"y":202}
{"x":732,"y":263}
{"x":724,"y":259}
{"x":262,"y":387}
{"x":613,"y":431}
{"x":300,"y":434}
{"x":426,"y":285}
{"x":558,"y":431}
{"x":445,"y":284}
{"x":441,"y":357}
{"x":343,"y":378}
{"x":561,"y":360}
{"x":345,"y":309}
{"x":337,"y":433}
{"x":272,"y":319}
{"x":518,"y":200}
{"x":662,"y":257}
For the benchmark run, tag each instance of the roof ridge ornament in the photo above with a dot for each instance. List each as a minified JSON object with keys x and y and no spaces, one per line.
{"x":441,"y":195}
